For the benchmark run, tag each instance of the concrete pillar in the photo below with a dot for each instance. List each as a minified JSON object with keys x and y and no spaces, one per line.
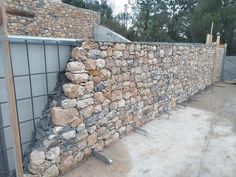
{"x":209,"y":39}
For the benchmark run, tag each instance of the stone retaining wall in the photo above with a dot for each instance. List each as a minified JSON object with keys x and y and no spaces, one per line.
{"x":218,"y":63}
{"x":111,"y":89}
{"x":53,"y":19}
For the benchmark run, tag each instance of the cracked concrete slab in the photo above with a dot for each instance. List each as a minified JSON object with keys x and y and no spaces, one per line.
{"x":194,"y":141}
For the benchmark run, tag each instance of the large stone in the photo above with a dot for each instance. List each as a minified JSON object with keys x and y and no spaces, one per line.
{"x":121,"y":103}
{"x":100,"y":87}
{"x":118,"y":54}
{"x":116,"y":95}
{"x":151,"y":54}
{"x":118,"y":124}
{"x":85,"y":103}
{"x":39,"y":169}
{"x":122,"y":130}
{"x":69,"y":135}
{"x":76,"y":122}
{"x":92,"y":120}
{"x":120,"y":46}
{"x":98,"y":108}
{"x":101,"y":131}
{"x":92,"y":129}
{"x":67,"y":165}
{"x":103,"y":54}
{"x":99,"y":145}
{"x":53,"y":153}
{"x":37,"y":157}
{"x":53,"y":171}
{"x":107,"y":142}
{"x":52,"y":136}
{"x":131,"y":48}
{"x":81,"y":127}
{"x":57,"y":130}
{"x":100,"y":63}
{"x":162,"y":53}
{"x":89,"y":87}
{"x":97,"y":79}
{"x":68,"y":103}
{"x":106,"y":73}
{"x":88,"y":111}
{"x":63,"y":116}
{"x":109,"y":51}
{"x":73,"y":90}
{"x":81,"y":145}
{"x":95,"y":72}
{"x":99,"y":97}
{"x":88,"y":45}
{"x":115,"y":137}
{"x":77,"y":78}
{"x":92,"y":139}
{"x":90,"y":64}
{"x":81,"y":135}
{"x":79,"y":157}
{"x":87,"y":152}
{"x":78,"y":53}
{"x":94,"y":54}
{"x":75,"y":67}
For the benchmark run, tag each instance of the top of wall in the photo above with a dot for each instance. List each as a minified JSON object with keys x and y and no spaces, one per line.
{"x":52,"y":19}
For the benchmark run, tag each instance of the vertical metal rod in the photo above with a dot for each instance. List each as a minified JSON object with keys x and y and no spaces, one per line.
{"x":45,"y":66}
{"x":58,"y":57}
{"x":223,"y":63}
{"x":30,"y":84}
{"x":16,"y":99}
{"x":4,"y":46}
{"x":3,"y":153}
{"x":212,"y":26}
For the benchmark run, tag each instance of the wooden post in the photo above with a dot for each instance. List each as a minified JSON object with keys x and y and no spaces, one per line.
{"x":218,"y":39}
{"x":21,"y":13}
{"x":212,"y":26}
{"x":208,"y":39}
{"x":5,"y":55}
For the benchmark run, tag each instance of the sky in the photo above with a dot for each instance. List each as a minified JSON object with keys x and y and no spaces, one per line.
{"x":117,"y":5}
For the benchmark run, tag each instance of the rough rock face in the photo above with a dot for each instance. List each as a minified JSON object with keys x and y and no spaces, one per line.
{"x":63,"y":116}
{"x":37,"y":157}
{"x":53,"y":19}
{"x":113,"y":88}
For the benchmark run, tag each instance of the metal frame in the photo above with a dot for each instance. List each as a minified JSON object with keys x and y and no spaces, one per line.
{"x":5,"y":54}
{"x":26,"y":41}
{"x":3,"y":164}
{"x":38,"y":41}
{"x":12,"y":101}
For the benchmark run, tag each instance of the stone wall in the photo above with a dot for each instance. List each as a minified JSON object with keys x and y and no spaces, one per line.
{"x":218,"y":70}
{"x":53,"y":19}
{"x":111,"y":89}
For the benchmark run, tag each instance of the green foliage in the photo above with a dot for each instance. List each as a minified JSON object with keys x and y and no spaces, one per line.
{"x":77,"y":3}
{"x":170,"y":20}
{"x":222,"y":13}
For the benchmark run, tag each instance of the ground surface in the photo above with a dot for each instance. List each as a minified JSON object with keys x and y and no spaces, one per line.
{"x":198,"y":140}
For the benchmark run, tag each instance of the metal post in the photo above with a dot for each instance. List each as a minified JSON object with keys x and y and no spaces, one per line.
{"x":223,"y":63}
{"x":212,"y":26}
{"x":3,"y":153}
{"x":5,"y":52}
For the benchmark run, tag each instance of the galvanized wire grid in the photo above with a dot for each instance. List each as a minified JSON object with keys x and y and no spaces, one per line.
{"x":5,"y":171}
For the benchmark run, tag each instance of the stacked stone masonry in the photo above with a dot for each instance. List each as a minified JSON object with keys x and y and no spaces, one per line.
{"x":218,"y":63}
{"x":52,"y":18}
{"x":113,"y":88}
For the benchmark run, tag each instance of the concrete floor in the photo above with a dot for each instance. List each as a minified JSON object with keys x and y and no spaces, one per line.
{"x":198,"y":140}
